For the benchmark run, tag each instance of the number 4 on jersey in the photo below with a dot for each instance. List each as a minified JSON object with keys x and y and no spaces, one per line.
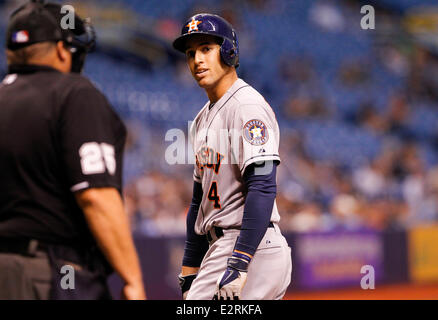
{"x":213,"y":196}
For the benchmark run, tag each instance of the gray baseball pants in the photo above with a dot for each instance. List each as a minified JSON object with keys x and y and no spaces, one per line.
{"x":269,"y":273}
{"x":24,"y":278}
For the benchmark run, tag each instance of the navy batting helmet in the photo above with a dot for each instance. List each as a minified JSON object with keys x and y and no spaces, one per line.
{"x":205,"y":23}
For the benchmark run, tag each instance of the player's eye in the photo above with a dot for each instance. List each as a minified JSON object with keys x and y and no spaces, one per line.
{"x":190,"y":53}
{"x":205,"y":49}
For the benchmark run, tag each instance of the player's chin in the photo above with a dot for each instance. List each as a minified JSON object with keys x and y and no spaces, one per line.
{"x":207,"y":82}
{"x":204,"y":83}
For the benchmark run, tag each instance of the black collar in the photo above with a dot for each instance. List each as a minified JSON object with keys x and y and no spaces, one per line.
{"x":29,"y":68}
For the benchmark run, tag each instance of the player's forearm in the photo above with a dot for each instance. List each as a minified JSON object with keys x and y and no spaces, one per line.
{"x":259,"y":206}
{"x":196,"y":245}
{"x":106,"y":218}
{"x":258,"y":209}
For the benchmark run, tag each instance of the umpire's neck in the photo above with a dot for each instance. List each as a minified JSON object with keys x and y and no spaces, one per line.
{"x":53,"y":55}
{"x":59,"y":58}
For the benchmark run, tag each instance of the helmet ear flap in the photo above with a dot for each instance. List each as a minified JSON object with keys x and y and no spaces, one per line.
{"x":229,"y":53}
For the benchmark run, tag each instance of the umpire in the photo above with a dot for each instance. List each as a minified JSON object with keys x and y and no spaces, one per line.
{"x":63,"y":228}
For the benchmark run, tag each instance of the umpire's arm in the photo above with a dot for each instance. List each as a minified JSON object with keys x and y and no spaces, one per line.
{"x":107,"y":220}
{"x":92,"y":139}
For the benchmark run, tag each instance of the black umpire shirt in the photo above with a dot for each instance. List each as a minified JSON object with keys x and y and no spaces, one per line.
{"x":58,"y":135}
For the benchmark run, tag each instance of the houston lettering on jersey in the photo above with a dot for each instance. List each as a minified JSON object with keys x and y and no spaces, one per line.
{"x":207,"y":157}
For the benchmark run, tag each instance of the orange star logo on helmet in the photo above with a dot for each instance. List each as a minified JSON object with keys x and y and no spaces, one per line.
{"x":193,"y":25}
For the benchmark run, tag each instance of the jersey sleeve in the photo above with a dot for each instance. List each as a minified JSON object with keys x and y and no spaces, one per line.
{"x":92,"y":139}
{"x":255,"y":135}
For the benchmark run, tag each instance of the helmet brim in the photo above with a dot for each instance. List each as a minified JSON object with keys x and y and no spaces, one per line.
{"x":180,"y":42}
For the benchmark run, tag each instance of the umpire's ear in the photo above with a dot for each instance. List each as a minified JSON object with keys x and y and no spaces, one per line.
{"x":63,"y":57}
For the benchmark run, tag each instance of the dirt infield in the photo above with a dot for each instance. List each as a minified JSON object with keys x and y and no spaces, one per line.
{"x":384,"y":292}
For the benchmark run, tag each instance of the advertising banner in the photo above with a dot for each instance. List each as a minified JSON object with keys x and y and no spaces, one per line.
{"x":423,"y":253}
{"x":336,"y":259}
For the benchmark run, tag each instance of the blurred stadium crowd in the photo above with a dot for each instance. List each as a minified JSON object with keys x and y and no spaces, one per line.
{"x":357,"y":109}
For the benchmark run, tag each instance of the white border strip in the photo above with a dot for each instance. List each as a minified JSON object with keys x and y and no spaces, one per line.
{"x":80,"y":186}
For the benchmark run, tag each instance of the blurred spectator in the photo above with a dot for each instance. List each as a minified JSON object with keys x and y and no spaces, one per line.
{"x":297,"y":71}
{"x":398,"y":117}
{"x":373,"y":180}
{"x":305,"y":107}
{"x":346,"y":209}
{"x":167,"y":28}
{"x":158,"y":204}
{"x":423,"y":76}
{"x":306,"y":218}
{"x":327,"y":16}
{"x":354,"y":73}
{"x":394,"y":60}
{"x":381,"y":213}
{"x":299,"y":75}
{"x":369,"y":118}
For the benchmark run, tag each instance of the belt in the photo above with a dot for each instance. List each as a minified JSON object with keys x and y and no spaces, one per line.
{"x":22,"y":247}
{"x":217,"y":232}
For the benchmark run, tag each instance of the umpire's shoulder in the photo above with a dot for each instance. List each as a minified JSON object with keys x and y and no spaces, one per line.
{"x":78,"y":91}
{"x":79,"y":97}
{"x":74,"y":83}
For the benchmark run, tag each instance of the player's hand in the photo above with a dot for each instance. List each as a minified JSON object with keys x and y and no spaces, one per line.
{"x":133,"y":292}
{"x":231,"y":282}
{"x":185,"y":282}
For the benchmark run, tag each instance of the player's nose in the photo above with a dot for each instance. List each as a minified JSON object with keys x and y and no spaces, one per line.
{"x":198,"y":57}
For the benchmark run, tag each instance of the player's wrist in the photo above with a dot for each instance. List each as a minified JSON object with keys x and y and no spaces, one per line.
{"x":186,"y":270}
{"x":185,"y":283}
{"x":239,"y":261}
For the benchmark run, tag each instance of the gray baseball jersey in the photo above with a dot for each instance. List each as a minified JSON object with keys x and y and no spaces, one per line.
{"x":238,"y":130}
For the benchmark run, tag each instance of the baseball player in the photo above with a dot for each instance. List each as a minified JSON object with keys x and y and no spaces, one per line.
{"x":234,"y":248}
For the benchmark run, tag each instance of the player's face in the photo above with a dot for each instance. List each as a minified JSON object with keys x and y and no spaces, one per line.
{"x":205,"y":64}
